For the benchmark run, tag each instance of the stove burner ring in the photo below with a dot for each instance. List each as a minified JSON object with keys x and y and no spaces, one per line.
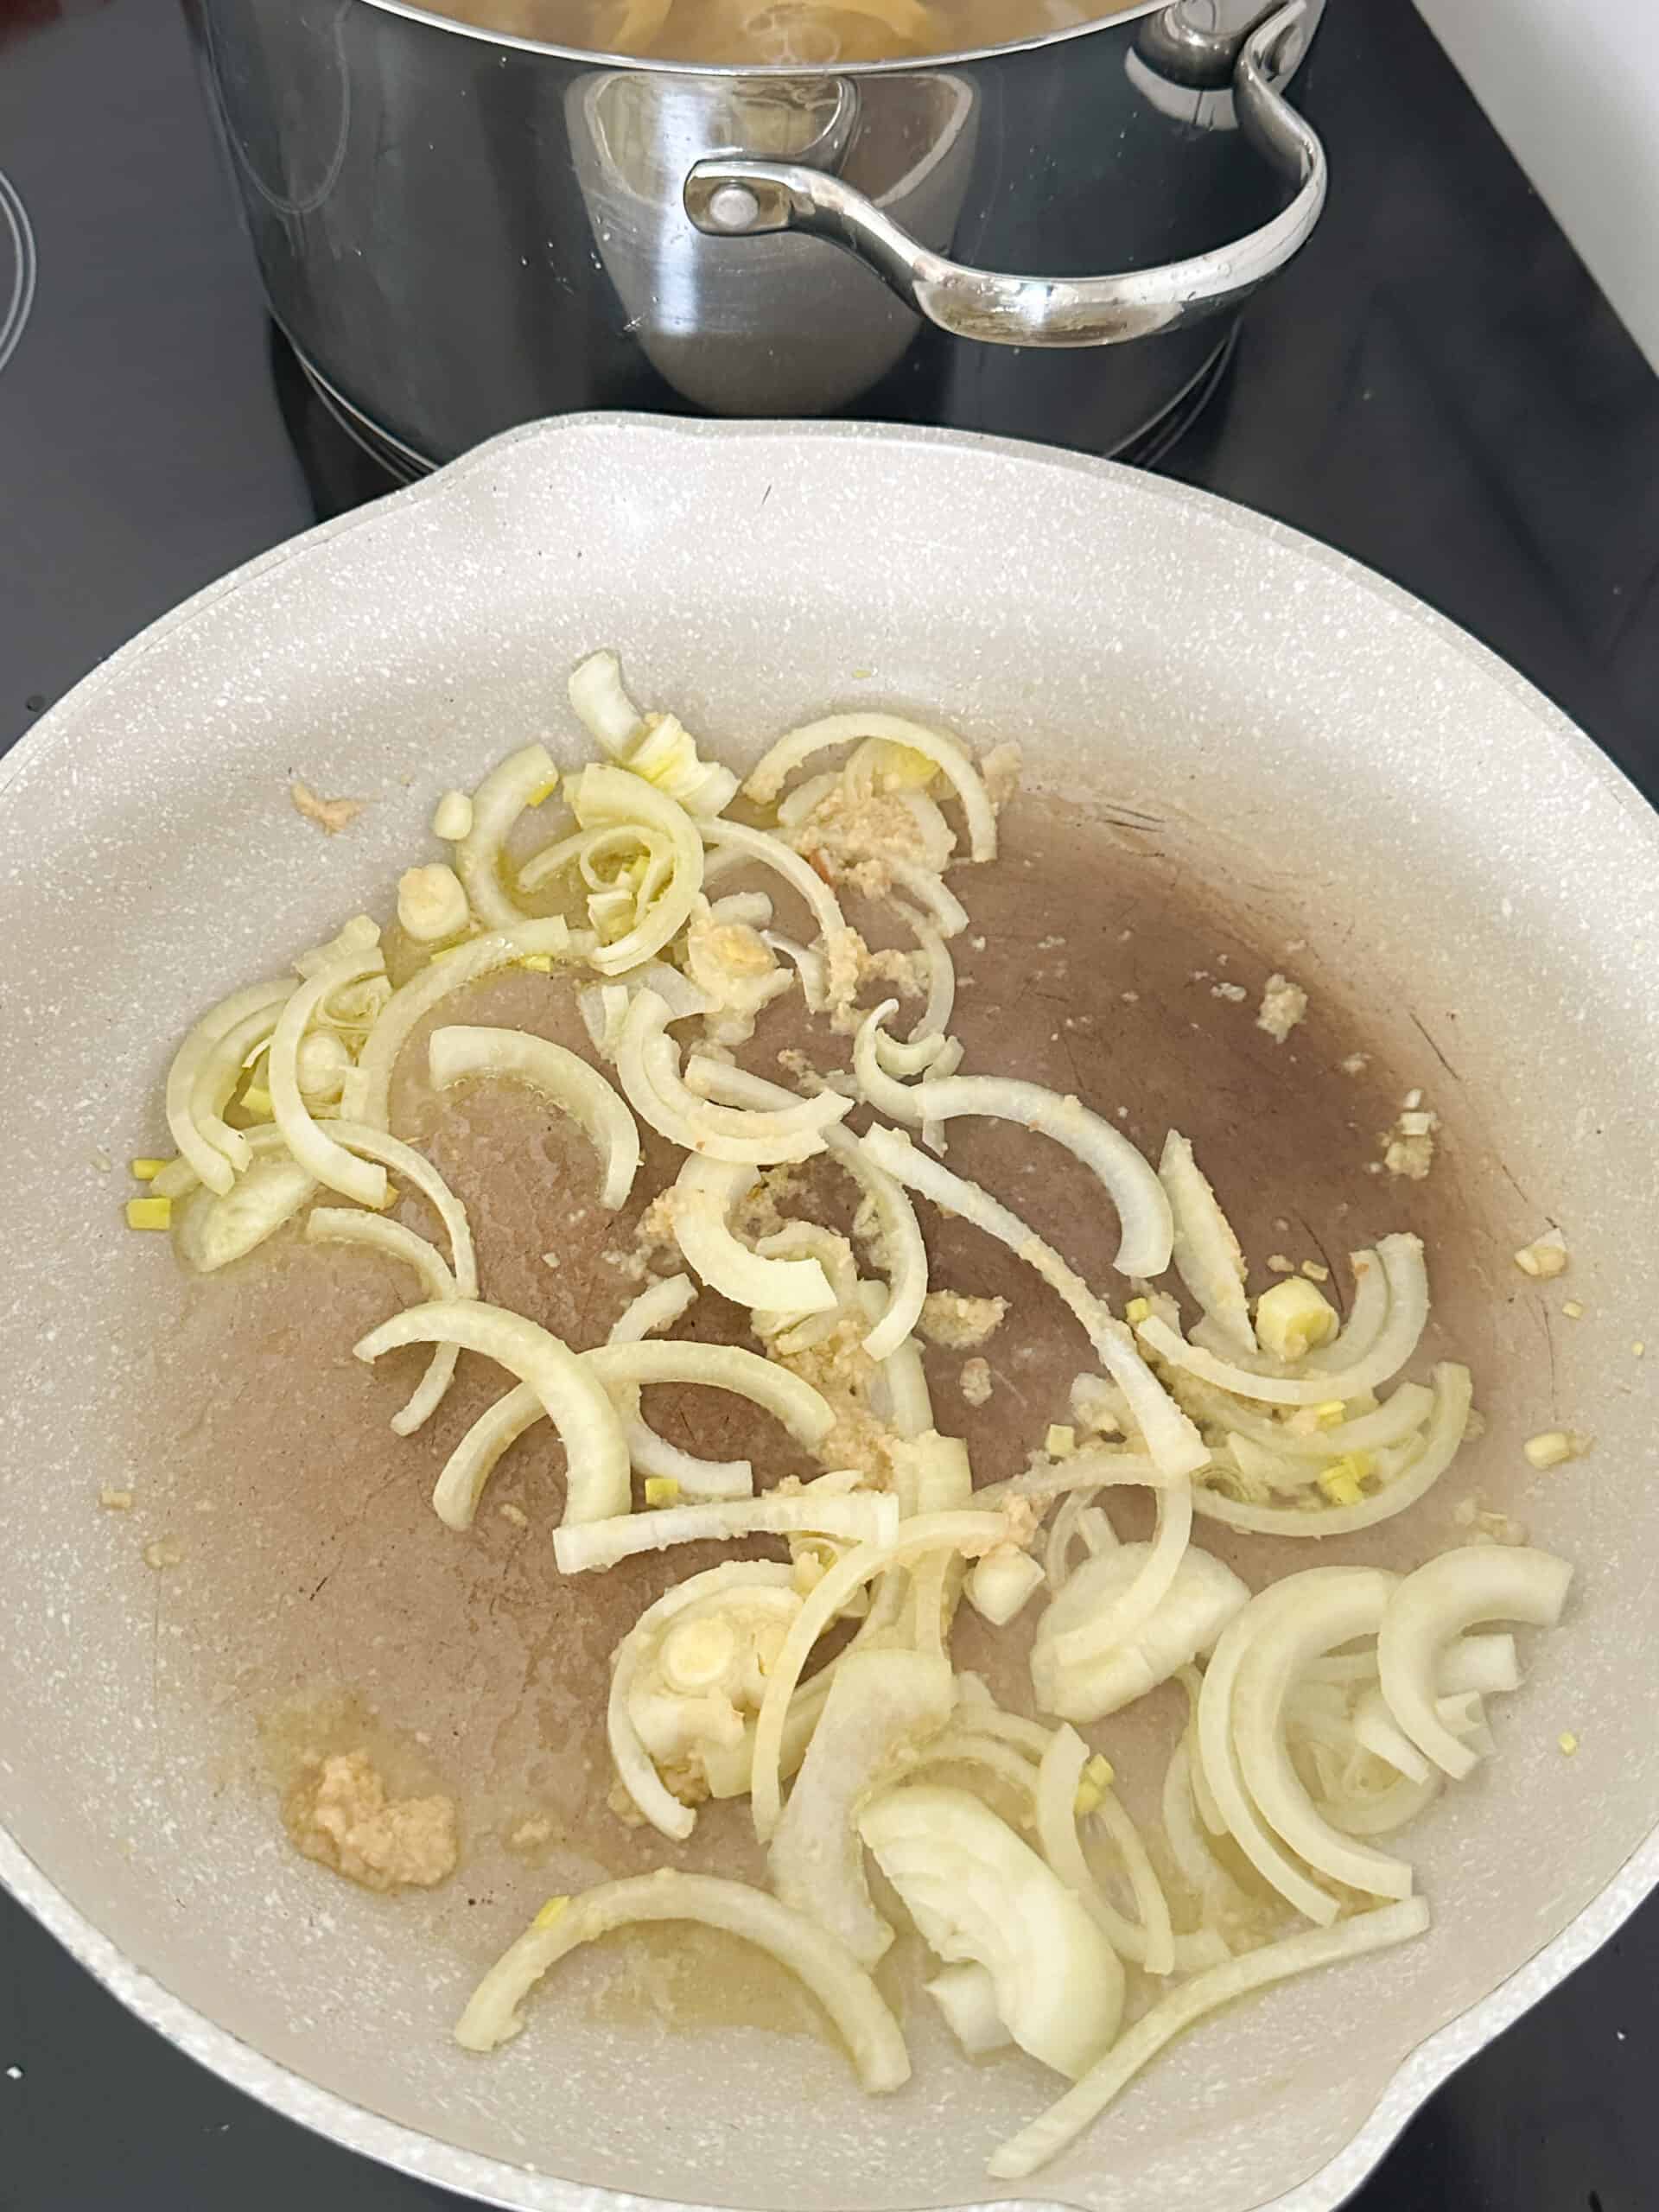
{"x":17,"y":232}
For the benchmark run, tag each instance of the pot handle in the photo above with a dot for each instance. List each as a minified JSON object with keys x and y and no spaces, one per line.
{"x":734,"y":197}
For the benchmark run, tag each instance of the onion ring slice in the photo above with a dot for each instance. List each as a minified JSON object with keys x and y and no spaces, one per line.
{"x":704,"y":1198}
{"x":321,"y":1155}
{"x":970,"y":1533}
{"x":209,"y":1163}
{"x":1442,"y":1600}
{"x":1401,"y":1259}
{"x":348,"y":1225}
{"x":840,"y":1984}
{"x":524,"y":779}
{"x":1171,"y":1437}
{"x":457,"y":1052}
{"x":865,"y":1520}
{"x":1047,"y":2135}
{"x":779,"y":761}
{"x":1142,"y":1207}
{"x":571,"y":1395}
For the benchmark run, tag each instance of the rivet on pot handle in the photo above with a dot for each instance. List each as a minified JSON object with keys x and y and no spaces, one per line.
{"x":739,"y":197}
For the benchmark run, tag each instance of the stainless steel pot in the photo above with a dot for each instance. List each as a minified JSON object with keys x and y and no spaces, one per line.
{"x":459,"y":231}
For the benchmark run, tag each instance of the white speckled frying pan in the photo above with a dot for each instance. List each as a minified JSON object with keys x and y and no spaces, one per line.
{"x":1293,"y":755}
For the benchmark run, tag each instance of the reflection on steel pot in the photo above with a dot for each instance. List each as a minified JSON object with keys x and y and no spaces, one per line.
{"x":459,"y":229}
{"x":744,"y":327}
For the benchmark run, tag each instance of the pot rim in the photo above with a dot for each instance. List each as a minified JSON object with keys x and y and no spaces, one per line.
{"x":656,"y":65}
{"x":498,"y":2180}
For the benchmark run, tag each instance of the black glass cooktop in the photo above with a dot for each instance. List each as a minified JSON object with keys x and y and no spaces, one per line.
{"x":1435,"y":386}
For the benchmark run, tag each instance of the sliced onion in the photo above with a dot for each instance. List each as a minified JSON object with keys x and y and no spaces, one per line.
{"x":1375,"y":1730}
{"x":971,"y":1534}
{"x":209,"y":1163}
{"x":928,"y":1602}
{"x":908,"y":1404}
{"x":1347,"y":1604}
{"x":625,"y":1367}
{"x":214,"y":1231}
{"x":1121,"y":1622}
{"x":704,"y":1198}
{"x":1205,"y":1251}
{"x":1063,"y":1532}
{"x":1452,"y":1594}
{"x":1366,"y":1316}
{"x":1171,"y":1437}
{"x":684,"y":998}
{"x":961,"y":1747}
{"x":1485,"y":1663}
{"x":1381,"y":1812}
{"x":657,"y":1306}
{"x":975,"y":1890}
{"x":788,"y":1333}
{"x":929,"y":891}
{"x":601,"y":797}
{"x":901,"y":1232}
{"x":1093,"y":1468}
{"x":840,"y":1985}
{"x":461,"y":1485}
{"x":1136,"y":1194}
{"x":700,"y":1481}
{"x":665,"y":754}
{"x":469,"y":1466}
{"x":1194,"y":1861}
{"x":222,"y":1071}
{"x":731,"y":843}
{"x":651,"y":1454}
{"x":456,"y":1052}
{"x":1065,"y":2120}
{"x":1003,"y":1583}
{"x":906,"y":1062}
{"x":344,"y":1225}
{"x":1204,"y":1595}
{"x":584,"y":849}
{"x":524,"y":778}
{"x":1218,"y":1752}
{"x":321,"y":1155}
{"x":1407,"y":1406}
{"x":879,"y":1702}
{"x":635,"y":1768}
{"x":805,"y":1412}
{"x":367,"y":1096}
{"x":1150,"y":1945}
{"x":414,"y":1168}
{"x":966,"y":1995}
{"x":884,"y":1091}
{"x":794,"y":806}
{"x":979,"y":1711}
{"x":809,"y":964}
{"x":1401,"y":1258}
{"x":601,"y":702}
{"x":927,"y":1037}
{"x":863,"y":1520}
{"x":1442,"y":1440}
{"x":780,"y":760}
{"x":572,"y":1394}
{"x":647,"y":1064}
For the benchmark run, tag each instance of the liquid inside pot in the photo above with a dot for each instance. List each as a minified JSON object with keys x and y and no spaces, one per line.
{"x":812,"y":32}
